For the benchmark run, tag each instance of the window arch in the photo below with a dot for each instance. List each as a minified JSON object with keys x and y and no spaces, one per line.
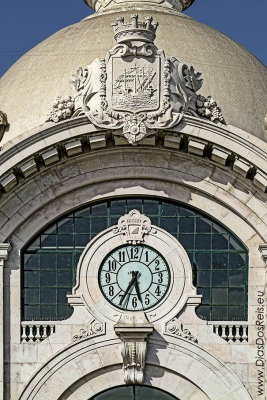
{"x":219,"y":260}
{"x":134,"y":393}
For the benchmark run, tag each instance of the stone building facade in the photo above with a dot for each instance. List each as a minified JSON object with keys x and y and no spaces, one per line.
{"x":133,"y":240}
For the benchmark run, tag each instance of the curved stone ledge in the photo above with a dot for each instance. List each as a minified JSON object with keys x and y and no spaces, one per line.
{"x":235,"y":149}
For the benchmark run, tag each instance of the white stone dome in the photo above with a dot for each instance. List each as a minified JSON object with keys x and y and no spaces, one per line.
{"x":235,"y":78}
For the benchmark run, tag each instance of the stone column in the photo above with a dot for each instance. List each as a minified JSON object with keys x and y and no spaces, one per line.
{"x":4,"y":250}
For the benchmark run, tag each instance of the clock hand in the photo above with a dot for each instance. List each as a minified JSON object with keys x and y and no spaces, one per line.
{"x":134,"y":274}
{"x":136,"y":285}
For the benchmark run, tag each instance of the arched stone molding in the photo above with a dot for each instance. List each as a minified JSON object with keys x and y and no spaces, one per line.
{"x":224,"y":145}
{"x":151,"y":172}
{"x":181,"y":368}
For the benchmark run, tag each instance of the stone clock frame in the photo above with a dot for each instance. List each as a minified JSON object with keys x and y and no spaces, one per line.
{"x":88,"y":293}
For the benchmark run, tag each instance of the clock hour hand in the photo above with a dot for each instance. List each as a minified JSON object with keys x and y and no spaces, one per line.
{"x":134,"y":274}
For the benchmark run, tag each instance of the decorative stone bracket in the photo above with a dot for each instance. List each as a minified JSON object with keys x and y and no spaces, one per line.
{"x":134,"y":330}
{"x":263,"y":250}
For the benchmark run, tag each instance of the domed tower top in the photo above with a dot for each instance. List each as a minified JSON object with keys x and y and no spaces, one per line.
{"x":106,"y":5}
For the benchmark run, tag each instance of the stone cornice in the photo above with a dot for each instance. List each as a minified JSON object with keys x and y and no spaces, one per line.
{"x":226,"y":145}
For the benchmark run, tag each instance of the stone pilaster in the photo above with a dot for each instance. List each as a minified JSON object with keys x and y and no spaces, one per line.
{"x":4,"y":250}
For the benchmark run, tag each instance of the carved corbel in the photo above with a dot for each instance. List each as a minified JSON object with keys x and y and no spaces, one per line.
{"x":263,"y":250}
{"x":3,"y":124}
{"x":134,"y":330}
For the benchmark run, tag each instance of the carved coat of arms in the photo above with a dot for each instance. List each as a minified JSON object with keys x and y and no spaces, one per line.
{"x":135,"y":90}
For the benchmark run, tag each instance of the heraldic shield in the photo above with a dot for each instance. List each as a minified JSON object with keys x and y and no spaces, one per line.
{"x":135,"y":89}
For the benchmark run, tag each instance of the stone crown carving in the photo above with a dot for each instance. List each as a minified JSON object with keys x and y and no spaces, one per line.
{"x":135,"y":29}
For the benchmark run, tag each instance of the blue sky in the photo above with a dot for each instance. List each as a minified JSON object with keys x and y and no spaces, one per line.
{"x":25,"y":23}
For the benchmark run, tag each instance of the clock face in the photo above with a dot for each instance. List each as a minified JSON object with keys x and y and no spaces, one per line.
{"x":134,"y":278}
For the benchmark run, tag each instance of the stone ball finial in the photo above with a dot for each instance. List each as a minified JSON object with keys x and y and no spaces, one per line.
{"x":102,"y":5}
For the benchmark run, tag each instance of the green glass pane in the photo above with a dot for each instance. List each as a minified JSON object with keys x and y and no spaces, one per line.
{"x":151,"y":207}
{"x":48,"y":241}
{"x":82,"y":225}
{"x":48,"y":312}
{"x":31,"y":278}
{"x":64,"y":278}
{"x":82,"y":213}
{"x":62,"y":295}
{"x":65,"y":311}
{"x":134,"y":204}
{"x":237,"y":261}
{"x":48,"y":261}
{"x":65,"y":241}
{"x":64,"y":260}
{"x":236,"y":313}
{"x":219,"y":296}
{"x":205,"y":295}
{"x":186,"y":225}
{"x":48,"y":296}
{"x":220,"y":260}
{"x":203,"y":225}
{"x":82,"y":240}
{"x":169,"y":224}
{"x":98,"y":225}
{"x":203,"y":241}
{"x":31,"y":313}
{"x":219,"y":278}
{"x":99,"y":210}
{"x":31,"y":261}
{"x":48,"y":278}
{"x":219,"y":313}
{"x":187,"y":241}
{"x":203,"y":260}
{"x":220,"y":242}
{"x":236,"y":296}
{"x":203,"y":312}
{"x":236,"y":278}
{"x":234,"y":244}
{"x":168,"y":209}
{"x":118,"y":207}
{"x":31,"y":296}
{"x":65,"y":226}
{"x":51,"y":230}
{"x":155,"y":221}
{"x":185,"y":212}
{"x":35,"y":245}
{"x":203,"y":278}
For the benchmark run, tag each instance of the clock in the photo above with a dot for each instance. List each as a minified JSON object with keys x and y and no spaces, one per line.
{"x":134,"y":277}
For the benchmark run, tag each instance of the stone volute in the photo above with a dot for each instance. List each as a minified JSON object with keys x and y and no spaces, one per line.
{"x":106,"y":5}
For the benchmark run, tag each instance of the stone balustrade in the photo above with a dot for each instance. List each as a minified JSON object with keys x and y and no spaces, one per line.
{"x":231,"y":331}
{"x":36,"y":331}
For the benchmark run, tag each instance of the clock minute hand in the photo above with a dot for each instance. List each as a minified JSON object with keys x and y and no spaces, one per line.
{"x":136,"y":285}
{"x":129,"y":286}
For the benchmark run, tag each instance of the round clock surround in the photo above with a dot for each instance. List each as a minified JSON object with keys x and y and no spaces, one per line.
{"x":133,"y":230}
{"x":134,"y":277}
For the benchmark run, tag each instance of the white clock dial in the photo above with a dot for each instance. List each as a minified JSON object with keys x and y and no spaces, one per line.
{"x":134,"y":278}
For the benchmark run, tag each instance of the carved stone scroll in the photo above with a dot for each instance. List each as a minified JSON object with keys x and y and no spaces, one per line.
{"x":134,"y":330}
{"x":176,"y":328}
{"x":133,"y":227}
{"x":94,"y":328}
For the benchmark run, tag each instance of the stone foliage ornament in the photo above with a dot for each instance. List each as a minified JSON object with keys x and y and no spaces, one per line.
{"x":94,"y":328}
{"x":3,"y":124}
{"x":176,"y":328}
{"x":133,"y":227}
{"x":62,"y":108}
